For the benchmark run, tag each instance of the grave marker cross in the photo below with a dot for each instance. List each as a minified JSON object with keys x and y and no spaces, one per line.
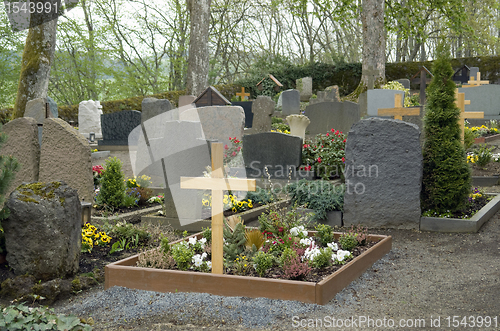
{"x":217,"y":184}
{"x":399,"y":111}
{"x":371,"y":73}
{"x":461,"y":102}
{"x":242,"y":94}
{"x":473,"y":82}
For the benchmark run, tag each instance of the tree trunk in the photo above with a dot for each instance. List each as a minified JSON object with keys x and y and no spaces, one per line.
{"x":35,"y":67}
{"x":372,"y":18}
{"x":198,"y":60}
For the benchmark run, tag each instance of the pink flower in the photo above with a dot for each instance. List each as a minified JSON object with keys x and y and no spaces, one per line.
{"x":345,"y":140}
{"x":226,"y":147}
{"x":343,"y":159}
{"x":319,"y":160}
{"x":328,"y":135}
{"x":234,"y":154}
{"x":332,"y":130}
{"x":239,"y":148}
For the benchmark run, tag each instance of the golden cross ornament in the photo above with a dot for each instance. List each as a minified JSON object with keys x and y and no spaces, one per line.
{"x":461,"y":102}
{"x":399,"y":111}
{"x":242,"y":94}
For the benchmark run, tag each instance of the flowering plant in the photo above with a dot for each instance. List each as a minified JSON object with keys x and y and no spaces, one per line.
{"x":142,"y":181}
{"x":231,"y":152}
{"x":97,"y":172}
{"x":91,"y":236}
{"x":230,"y":202}
{"x":325,"y":154}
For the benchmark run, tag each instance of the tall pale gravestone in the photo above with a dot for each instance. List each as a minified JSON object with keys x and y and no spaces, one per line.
{"x":66,"y":155}
{"x":304,"y":85}
{"x":116,"y":127}
{"x":291,"y":102}
{"x":185,"y":100}
{"x":262,"y":109}
{"x":218,"y":122}
{"x":380,"y":98}
{"x":22,"y":143}
{"x":383,"y":174}
{"x":89,"y":118}
{"x":332,"y":115}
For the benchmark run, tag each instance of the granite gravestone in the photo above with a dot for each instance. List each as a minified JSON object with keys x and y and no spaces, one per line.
{"x":332,"y":115}
{"x":22,"y":143}
{"x":383,"y":174}
{"x":89,"y":118}
{"x":331,"y":93}
{"x":380,"y":98}
{"x":39,"y":109}
{"x":152,"y":107}
{"x":304,"y":85}
{"x":485,"y":98}
{"x":280,"y":153}
{"x":218,"y":122}
{"x":117,"y":126}
{"x":262,"y":109}
{"x":405,"y":82}
{"x":290,"y":102}
{"x":66,"y":155}
{"x":247,"y":109}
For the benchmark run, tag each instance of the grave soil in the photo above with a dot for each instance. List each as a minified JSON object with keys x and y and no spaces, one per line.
{"x":491,"y":169}
{"x":108,"y":212}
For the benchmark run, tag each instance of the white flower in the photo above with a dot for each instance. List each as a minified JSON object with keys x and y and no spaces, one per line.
{"x":298,"y":229}
{"x":311,"y":252}
{"x":333,"y":246}
{"x":209,"y":264}
{"x":203,"y":240}
{"x":203,"y":256}
{"x":307,"y":242}
{"x":197,"y":260}
{"x":341,"y":255}
{"x":192,"y":241}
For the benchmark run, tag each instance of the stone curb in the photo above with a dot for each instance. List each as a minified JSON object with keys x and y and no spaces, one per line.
{"x":100,"y":154}
{"x":436,"y":224}
{"x":127,"y":217}
{"x":485,"y":180}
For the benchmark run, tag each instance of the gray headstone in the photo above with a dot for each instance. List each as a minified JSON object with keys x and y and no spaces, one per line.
{"x":473,"y":72}
{"x":405,"y":82}
{"x":380,"y":98}
{"x":279,"y":105}
{"x":36,"y":109}
{"x":331,"y":93}
{"x":116,"y":127}
{"x":53,"y":107}
{"x":185,"y":100}
{"x":218,"y":122}
{"x":247,"y":108}
{"x":304,"y":85}
{"x":332,"y":115}
{"x":383,"y":174}
{"x":66,"y":156}
{"x":485,"y":98}
{"x":291,"y":102}
{"x":22,"y":143}
{"x":262,"y":109}
{"x":89,"y":118}
{"x":43,"y":232}
{"x":278,"y":151}
{"x":152,"y":107}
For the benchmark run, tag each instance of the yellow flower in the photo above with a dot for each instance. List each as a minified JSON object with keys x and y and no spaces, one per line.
{"x":250,"y":205}
{"x":245,"y":265}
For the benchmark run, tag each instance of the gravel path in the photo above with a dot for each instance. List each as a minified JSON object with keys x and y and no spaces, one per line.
{"x":426,"y":275}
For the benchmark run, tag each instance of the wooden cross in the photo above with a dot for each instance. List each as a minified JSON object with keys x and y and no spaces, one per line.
{"x":218,"y":184}
{"x":461,"y":102}
{"x":242,"y":94}
{"x":472,"y":82}
{"x":371,"y":73}
{"x":399,"y":111}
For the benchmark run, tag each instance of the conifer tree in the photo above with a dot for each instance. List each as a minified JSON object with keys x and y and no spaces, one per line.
{"x":446,"y":174}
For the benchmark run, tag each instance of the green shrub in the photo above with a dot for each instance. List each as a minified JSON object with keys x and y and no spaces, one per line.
{"x":325,"y":154}
{"x":129,"y":232}
{"x":279,"y":124}
{"x":262,"y":262}
{"x":261,"y":196}
{"x":325,"y":233}
{"x":319,"y":195}
{"x":21,"y":317}
{"x":182,"y":255}
{"x":112,"y":190}
{"x":323,"y":259}
{"x":446,"y":175}
{"x":348,"y":241}
{"x":484,"y":155}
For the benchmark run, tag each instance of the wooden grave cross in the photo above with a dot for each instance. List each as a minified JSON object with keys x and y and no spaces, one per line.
{"x":218,"y":184}
{"x":242,"y":94}
{"x":461,"y":102}
{"x":473,"y":82}
{"x":399,"y":111}
{"x":371,"y":73}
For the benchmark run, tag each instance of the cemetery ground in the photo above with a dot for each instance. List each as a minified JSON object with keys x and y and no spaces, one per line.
{"x":426,"y":275}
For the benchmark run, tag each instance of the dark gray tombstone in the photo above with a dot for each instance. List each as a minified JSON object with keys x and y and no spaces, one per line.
{"x":116,"y":127}
{"x":383,"y":174}
{"x":247,"y":108}
{"x":152,"y":107}
{"x":332,"y":115}
{"x":262,"y":110}
{"x":405,"y":82}
{"x":280,"y":153}
{"x":461,"y":76}
{"x":379,"y":98}
{"x":291,"y":102}
{"x":473,"y":72}
{"x":485,"y":98}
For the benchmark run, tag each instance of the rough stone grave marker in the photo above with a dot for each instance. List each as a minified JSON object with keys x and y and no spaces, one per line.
{"x":304,"y":85}
{"x":89,"y":118}
{"x":39,"y":109}
{"x":262,"y":109}
{"x":152,"y":107}
{"x":117,"y":126}
{"x":217,"y":184}
{"x":383,"y":174}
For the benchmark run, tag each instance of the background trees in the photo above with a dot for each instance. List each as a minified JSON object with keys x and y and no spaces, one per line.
{"x":115,"y":49}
